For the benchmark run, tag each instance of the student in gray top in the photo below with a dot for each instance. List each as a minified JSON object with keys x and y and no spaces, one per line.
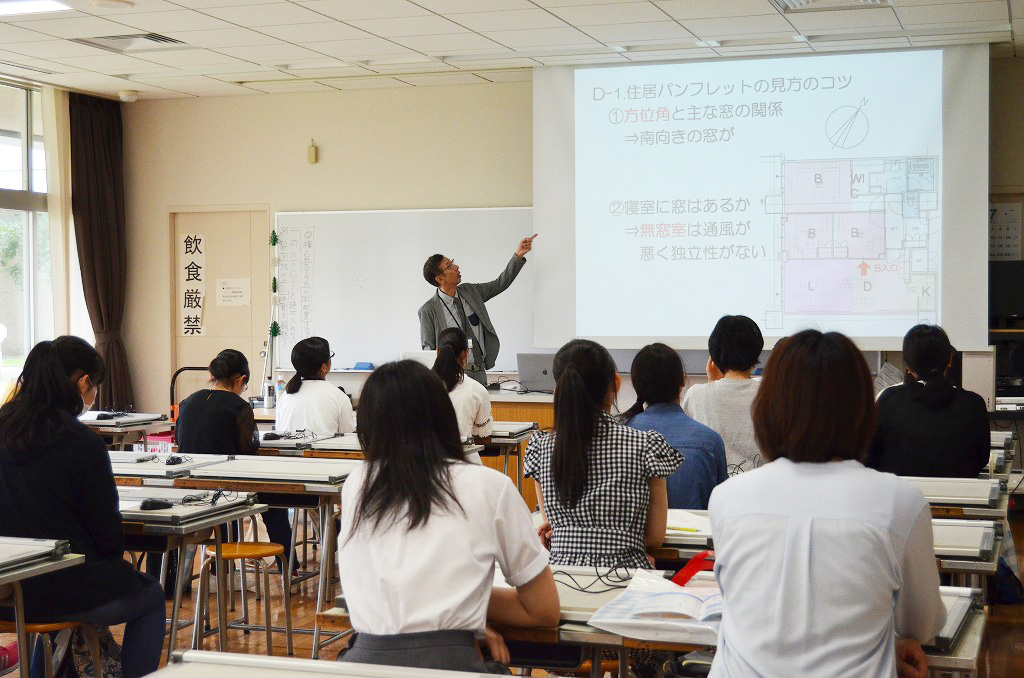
{"x":723,"y":404}
{"x":462,"y":305}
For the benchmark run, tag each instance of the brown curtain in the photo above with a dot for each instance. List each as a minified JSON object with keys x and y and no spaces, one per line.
{"x":97,"y":203}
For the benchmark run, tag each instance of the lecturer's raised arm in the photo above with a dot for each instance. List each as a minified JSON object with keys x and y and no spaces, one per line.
{"x":492,"y":289}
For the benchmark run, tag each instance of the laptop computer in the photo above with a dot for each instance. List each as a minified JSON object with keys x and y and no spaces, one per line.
{"x":536,"y":372}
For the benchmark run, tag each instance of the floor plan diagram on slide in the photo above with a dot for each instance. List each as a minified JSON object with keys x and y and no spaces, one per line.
{"x":856,"y":237}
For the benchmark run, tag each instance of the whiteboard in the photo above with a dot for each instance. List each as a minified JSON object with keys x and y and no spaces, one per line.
{"x":356,"y":278}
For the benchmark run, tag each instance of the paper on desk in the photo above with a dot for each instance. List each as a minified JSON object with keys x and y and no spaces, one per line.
{"x":690,"y":521}
{"x":653,"y":608}
{"x":128,"y":505}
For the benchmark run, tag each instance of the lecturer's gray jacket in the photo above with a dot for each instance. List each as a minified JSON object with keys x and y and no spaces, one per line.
{"x":433,"y":318}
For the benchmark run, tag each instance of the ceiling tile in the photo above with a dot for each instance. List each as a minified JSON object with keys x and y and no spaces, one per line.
{"x":926,"y":15}
{"x":178,"y":20}
{"x":190,"y":57}
{"x":49,"y":49}
{"x":357,"y":49}
{"x":570,"y":3}
{"x":224,"y":37}
{"x":414,"y":25}
{"x":715,"y":9}
{"x":113,"y":64}
{"x":525,"y":75}
{"x":319,"y":32}
{"x":9,"y":34}
{"x":845,"y":21}
{"x":622,"y":12}
{"x":431,"y":79}
{"x":542,"y":37}
{"x":270,"y":54}
{"x":457,"y":43}
{"x":346,"y":10}
{"x":289,"y":87}
{"x":509,"y":20}
{"x":89,"y":27}
{"x":462,"y":6}
{"x":738,"y":26}
{"x":277,"y":14}
{"x":639,"y":33}
{"x":205,"y":4}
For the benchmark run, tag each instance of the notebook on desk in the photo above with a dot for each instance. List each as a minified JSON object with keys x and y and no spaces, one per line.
{"x":97,"y":418}
{"x":509,"y":429}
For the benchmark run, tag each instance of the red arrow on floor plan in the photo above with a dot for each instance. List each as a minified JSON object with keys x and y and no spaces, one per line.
{"x":863,"y":266}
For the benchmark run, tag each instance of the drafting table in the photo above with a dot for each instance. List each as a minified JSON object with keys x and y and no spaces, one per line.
{"x":978,"y":498}
{"x":139,"y":465}
{"x":176,"y":528}
{"x":342,"y":446}
{"x":120,"y":428}
{"x":998,"y":466}
{"x":508,"y":437}
{"x":284,"y":481}
{"x":22,"y":559}
{"x":289,"y":440}
{"x":197,"y":664}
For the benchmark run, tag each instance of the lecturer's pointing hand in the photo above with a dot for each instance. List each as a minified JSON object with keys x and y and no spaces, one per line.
{"x":525,"y":245}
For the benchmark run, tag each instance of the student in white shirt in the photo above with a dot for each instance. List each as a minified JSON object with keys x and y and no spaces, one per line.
{"x":469,"y":397}
{"x":421,"y":531}
{"x":723,"y":404}
{"x":309,"y":401}
{"x":827,"y":568}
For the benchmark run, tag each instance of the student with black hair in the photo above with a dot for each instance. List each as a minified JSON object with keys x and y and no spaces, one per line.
{"x":469,"y":397}
{"x":927,"y":426}
{"x":601,"y":485}
{"x":56,"y":483}
{"x":723,"y":403}
{"x":309,"y":402}
{"x":421,"y":531}
{"x":217,"y":420}
{"x":658,"y":379}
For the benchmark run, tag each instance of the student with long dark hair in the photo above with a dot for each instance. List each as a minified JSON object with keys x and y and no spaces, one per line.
{"x":56,"y":483}
{"x":309,"y":402}
{"x":601,"y":484}
{"x":469,"y":397}
{"x":658,"y":379}
{"x":422,"y":530}
{"x":217,"y":420}
{"x":826,"y":567}
{"x":927,"y":426}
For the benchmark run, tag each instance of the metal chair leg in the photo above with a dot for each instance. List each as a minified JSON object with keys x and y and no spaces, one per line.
{"x":268,"y":620}
{"x":286,"y":587}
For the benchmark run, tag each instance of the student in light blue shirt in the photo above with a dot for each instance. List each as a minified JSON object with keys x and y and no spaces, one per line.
{"x":658,"y":379}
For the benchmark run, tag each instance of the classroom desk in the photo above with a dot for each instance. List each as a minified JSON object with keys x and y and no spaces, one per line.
{"x":510,"y":444}
{"x":197,"y":664}
{"x":175,"y":529}
{"x":292,"y":482}
{"x":10,"y":590}
{"x":264,"y":415}
{"x":142,"y":465}
{"x":343,"y":446}
{"x":120,"y":434}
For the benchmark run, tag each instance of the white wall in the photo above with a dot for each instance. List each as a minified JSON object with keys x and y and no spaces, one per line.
{"x":431,"y":147}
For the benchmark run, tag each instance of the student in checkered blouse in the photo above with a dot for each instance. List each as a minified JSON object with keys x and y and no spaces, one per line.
{"x":601,"y":485}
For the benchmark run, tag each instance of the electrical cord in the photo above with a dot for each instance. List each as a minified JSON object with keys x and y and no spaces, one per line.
{"x":615,"y":578}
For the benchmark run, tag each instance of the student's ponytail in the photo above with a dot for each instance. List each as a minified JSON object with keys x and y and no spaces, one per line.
{"x":927,"y":351}
{"x":584,"y":374}
{"x":308,"y":356}
{"x":451,"y":343}
{"x":658,"y":377}
{"x":46,"y":395}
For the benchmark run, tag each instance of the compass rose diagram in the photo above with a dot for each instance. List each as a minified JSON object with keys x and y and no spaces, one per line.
{"x":847,"y":126}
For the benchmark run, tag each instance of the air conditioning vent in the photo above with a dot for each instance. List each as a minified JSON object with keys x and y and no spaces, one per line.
{"x":24,"y":67}
{"x":136,"y":43}
{"x":794,"y":6}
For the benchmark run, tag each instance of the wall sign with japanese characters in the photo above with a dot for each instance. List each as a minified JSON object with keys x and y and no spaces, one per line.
{"x":191,"y":277}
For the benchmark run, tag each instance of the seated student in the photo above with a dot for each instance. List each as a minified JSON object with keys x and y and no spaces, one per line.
{"x":724,"y":402}
{"x":309,"y":402}
{"x":422,"y":530}
{"x":469,"y":397}
{"x":217,"y":420}
{"x":601,"y":485}
{"x":658,"y":380}
{"x":56,"y":483}
{"x":927,"y":426}
{"x":826,"y":567}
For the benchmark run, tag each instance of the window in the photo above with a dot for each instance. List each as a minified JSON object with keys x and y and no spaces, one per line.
{"x":26,"y":292}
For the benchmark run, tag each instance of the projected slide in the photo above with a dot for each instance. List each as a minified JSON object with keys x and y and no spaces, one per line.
{"x":799,"y":191}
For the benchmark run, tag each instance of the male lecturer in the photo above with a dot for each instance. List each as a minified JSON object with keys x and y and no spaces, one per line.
{"x":455,"y":304}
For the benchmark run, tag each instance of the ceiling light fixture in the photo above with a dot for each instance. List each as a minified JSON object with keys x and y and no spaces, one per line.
{"x":708,"y":43}
{"x":112,"y":4}
{"x":15,"y":7}
{"x":791,"y":6}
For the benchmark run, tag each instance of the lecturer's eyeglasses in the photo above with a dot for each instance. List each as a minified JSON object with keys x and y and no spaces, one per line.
{"x":451,"y":262}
